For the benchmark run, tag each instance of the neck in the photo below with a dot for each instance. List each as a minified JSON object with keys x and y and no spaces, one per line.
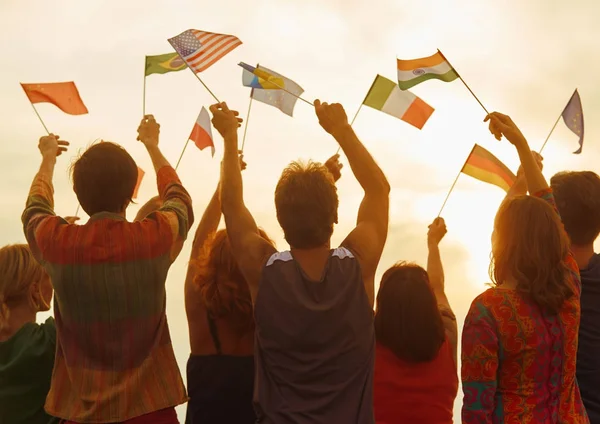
{"x":312,"y":251}
{"x":583,"y":254}
{"x":19,"y":316}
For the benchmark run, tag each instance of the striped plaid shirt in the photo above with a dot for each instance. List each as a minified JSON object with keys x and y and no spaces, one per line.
{"x":114,"y":358}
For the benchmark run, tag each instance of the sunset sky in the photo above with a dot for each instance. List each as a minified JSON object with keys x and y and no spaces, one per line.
{"x":522,"y":58}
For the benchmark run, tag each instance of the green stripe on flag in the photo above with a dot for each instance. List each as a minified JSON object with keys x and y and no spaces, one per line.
{"x":379,"y":93}
{"x":163,"y":63}
{"x":449,"y":76}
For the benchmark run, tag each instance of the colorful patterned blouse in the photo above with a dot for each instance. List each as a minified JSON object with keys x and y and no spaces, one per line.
{"x":518,"y":365}
{"x":114,"y":358}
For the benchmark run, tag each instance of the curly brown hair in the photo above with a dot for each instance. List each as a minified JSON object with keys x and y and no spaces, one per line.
{"x":223,"y":289}
{"x":530,"y":245}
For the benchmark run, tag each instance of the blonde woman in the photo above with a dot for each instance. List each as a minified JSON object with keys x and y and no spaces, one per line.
{"x":26,"y":348}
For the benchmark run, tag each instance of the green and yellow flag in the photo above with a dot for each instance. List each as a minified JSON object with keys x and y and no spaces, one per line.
{"x":163,"y":63}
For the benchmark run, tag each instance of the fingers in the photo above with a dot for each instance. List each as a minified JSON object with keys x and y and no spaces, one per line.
{"x":214,"y":108}
{"x":317,"y":103}
{"x":63,"y":143}
{"x":224,"y":107}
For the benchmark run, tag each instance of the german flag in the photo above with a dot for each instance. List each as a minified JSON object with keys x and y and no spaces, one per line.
{"x":486,"y":167}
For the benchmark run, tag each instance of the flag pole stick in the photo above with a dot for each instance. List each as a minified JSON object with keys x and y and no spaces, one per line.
{"x":454,"y":183}
{"x":247,"y":119}
{"x":77,"y":211}
{"x":466,"y":85}
{"x":351,"y":123}
{"x":40,"y":118}
{"x":182,"y":152}
{"x":199,"y":79}
{"x":144,"y":98}
{"x":549,"y":134}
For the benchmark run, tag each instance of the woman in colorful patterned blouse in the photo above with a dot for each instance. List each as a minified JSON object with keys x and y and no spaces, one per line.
{"x":519,"y":342}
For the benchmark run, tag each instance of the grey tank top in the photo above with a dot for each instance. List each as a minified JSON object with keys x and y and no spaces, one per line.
{"x":315,"y":344}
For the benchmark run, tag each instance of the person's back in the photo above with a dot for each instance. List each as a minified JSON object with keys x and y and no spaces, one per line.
{"x":315,"y":342}
{"x":26,"y":348}
{"x":312,"y":305}
{"x":114,"y":359}
{"x":416,"y":378}
{"x":578,"y":200}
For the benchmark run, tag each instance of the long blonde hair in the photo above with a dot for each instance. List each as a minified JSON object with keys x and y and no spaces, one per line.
{"x":18,"y":271}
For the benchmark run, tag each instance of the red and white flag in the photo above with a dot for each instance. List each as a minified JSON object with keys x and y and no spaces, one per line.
{"x":202,"y":132}
{"x":201,"y":49}
{"x":140,"y":177}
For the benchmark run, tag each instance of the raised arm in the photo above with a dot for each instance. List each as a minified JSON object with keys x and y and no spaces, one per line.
{"x":435,"y":271}
{"x":367,"y":240}
{"x":250,"y":250}
{"x":519,"y":188}
{"x":39,"y":209}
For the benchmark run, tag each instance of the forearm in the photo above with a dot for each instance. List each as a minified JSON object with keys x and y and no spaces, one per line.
{"x":232,"y":195}
{"x":158,"y":159}
{"x":435,"y":270}
{"x":208,"y":224}
{"x":47,"y":168}
{"x":533,"y":174}
{"x":519,"y":188}
{"x":365,"y":169}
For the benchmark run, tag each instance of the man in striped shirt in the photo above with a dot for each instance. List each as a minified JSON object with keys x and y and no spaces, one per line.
{"x":114,"y":359}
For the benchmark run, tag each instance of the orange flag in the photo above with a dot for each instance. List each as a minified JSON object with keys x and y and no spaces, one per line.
{"x":63,"y":95}
{"x":141,"y":174}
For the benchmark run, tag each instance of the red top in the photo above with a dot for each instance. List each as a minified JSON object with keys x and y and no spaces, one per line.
{"x":414,"y":392}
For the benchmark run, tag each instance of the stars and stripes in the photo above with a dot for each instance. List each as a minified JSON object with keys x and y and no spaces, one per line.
{"x":201,"y":49}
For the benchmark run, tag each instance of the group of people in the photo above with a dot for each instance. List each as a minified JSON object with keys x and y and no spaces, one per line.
{"x":292,"y":336}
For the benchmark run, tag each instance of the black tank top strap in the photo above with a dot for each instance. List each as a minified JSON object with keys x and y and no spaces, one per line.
{"x":212,"y":326}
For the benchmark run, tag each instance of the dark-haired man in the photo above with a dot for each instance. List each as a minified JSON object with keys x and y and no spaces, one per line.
{"x":577,"y":196}
{"x":313,"y":305}
{"x":114,"y":359}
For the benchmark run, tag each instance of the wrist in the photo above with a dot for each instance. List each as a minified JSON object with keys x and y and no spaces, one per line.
{"x":49,"y":158}
{"x":152,"y":148}
{"x":342,"y":131}
{"x":433,"y":244}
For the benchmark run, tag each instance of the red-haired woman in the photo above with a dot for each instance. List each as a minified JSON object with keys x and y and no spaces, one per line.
{"x":415,"y":364}
{"x":519,"y":343}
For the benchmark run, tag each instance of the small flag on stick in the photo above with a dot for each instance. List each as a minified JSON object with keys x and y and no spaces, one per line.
{"x":259,"y":78}
{"x":386,"y":96}
{"x":202,"y":132}
{"x":486,"y":167}
{"x":140,"y":177}
{"x":284,"y":100}
{"x":63,"y":95}
{"x":573,"y":117}
{"x":415,"y":71}
{"x":164,"y":63}
{"x":201,"y":49}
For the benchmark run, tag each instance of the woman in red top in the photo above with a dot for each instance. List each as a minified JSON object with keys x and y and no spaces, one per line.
{"x":416,"y":378}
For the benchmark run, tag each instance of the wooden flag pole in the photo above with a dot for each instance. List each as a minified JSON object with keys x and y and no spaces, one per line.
{"x":182,"y":152}
{"x":550,"y":133}
{"x":352,"y":123}
{"x":205,"y":86}
{"x":463,"y":81}
{"x":454,"y":183}
{"x":247,"y":119}
{"x":40,"y":118}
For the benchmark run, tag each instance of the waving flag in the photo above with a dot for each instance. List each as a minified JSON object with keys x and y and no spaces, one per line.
{"x":573,"y":117}
{"x":486,"y":167}
{"x":163,"y":63}
{"x":202,"y":132}
{"x":386,"y":96}
{"x":415,"y":71}
{"x":259,"y":78}
{"x":63,"y":95}
{"x":280,"y":99}
{"x":201,"y":49}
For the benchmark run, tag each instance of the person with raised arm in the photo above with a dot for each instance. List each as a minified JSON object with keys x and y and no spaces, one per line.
{"x":313,"y":305}
{"x":114,"y":358}
{"x":519,"y":342}
{"x":415,"y":365}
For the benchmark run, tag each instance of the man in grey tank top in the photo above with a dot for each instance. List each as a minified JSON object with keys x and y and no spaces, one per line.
{"x":313,"y":304}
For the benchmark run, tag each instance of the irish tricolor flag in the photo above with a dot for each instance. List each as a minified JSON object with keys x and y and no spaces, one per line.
{"x":415,"y":71}
{"x":202,"y":132}
{"x":386,"y":96}
{"x":486,"y":167}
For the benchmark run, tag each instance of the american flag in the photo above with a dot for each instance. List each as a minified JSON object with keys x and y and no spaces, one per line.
{"x":200,"y":49}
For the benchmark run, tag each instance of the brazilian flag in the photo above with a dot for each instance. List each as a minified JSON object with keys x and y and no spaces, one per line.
{"x":163,"y":63}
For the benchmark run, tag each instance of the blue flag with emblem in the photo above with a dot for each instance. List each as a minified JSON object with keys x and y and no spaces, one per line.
{"x":573,"y":117}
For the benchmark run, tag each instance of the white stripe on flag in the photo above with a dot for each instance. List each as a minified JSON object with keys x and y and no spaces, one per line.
{"x":398,"y":102}
{"x":440,"y":69}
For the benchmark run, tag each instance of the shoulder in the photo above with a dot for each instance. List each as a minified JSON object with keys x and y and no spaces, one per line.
{"x":279,"y":257}
{"x":48,"y":328}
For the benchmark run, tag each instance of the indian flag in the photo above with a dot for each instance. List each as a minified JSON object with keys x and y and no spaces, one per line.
{"x":415,"y":71}
{"x":386,"y":96}
{"x":486,"y":167}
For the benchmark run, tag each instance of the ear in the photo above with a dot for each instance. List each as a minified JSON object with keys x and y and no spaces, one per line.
{"x":35,"y":297}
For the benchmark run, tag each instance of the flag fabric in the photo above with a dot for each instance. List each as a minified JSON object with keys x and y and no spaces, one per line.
{"x":63,"y":95}
{"x":163,"y":63}
{"x":201,"y":49}
{"x":202,"y":132}
{"x":573,"y":117}
{"x":386,"y":96}
{"x":259,"y":78}
{"x":280,"y":99}
{"x":486,"y":167}
{"x":140,"y":177}
{"x":415,"y":71}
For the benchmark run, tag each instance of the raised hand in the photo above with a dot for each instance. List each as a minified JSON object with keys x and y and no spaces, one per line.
{"x":502,"y":125}
{"x":243,"y":164}
{"x":437,"y":231}
{"x":332,"y":117}
{"x":51,"y":146}
{"x":148,"y":131}
{"x":224,"y":120}
{"x":334,"y":166}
